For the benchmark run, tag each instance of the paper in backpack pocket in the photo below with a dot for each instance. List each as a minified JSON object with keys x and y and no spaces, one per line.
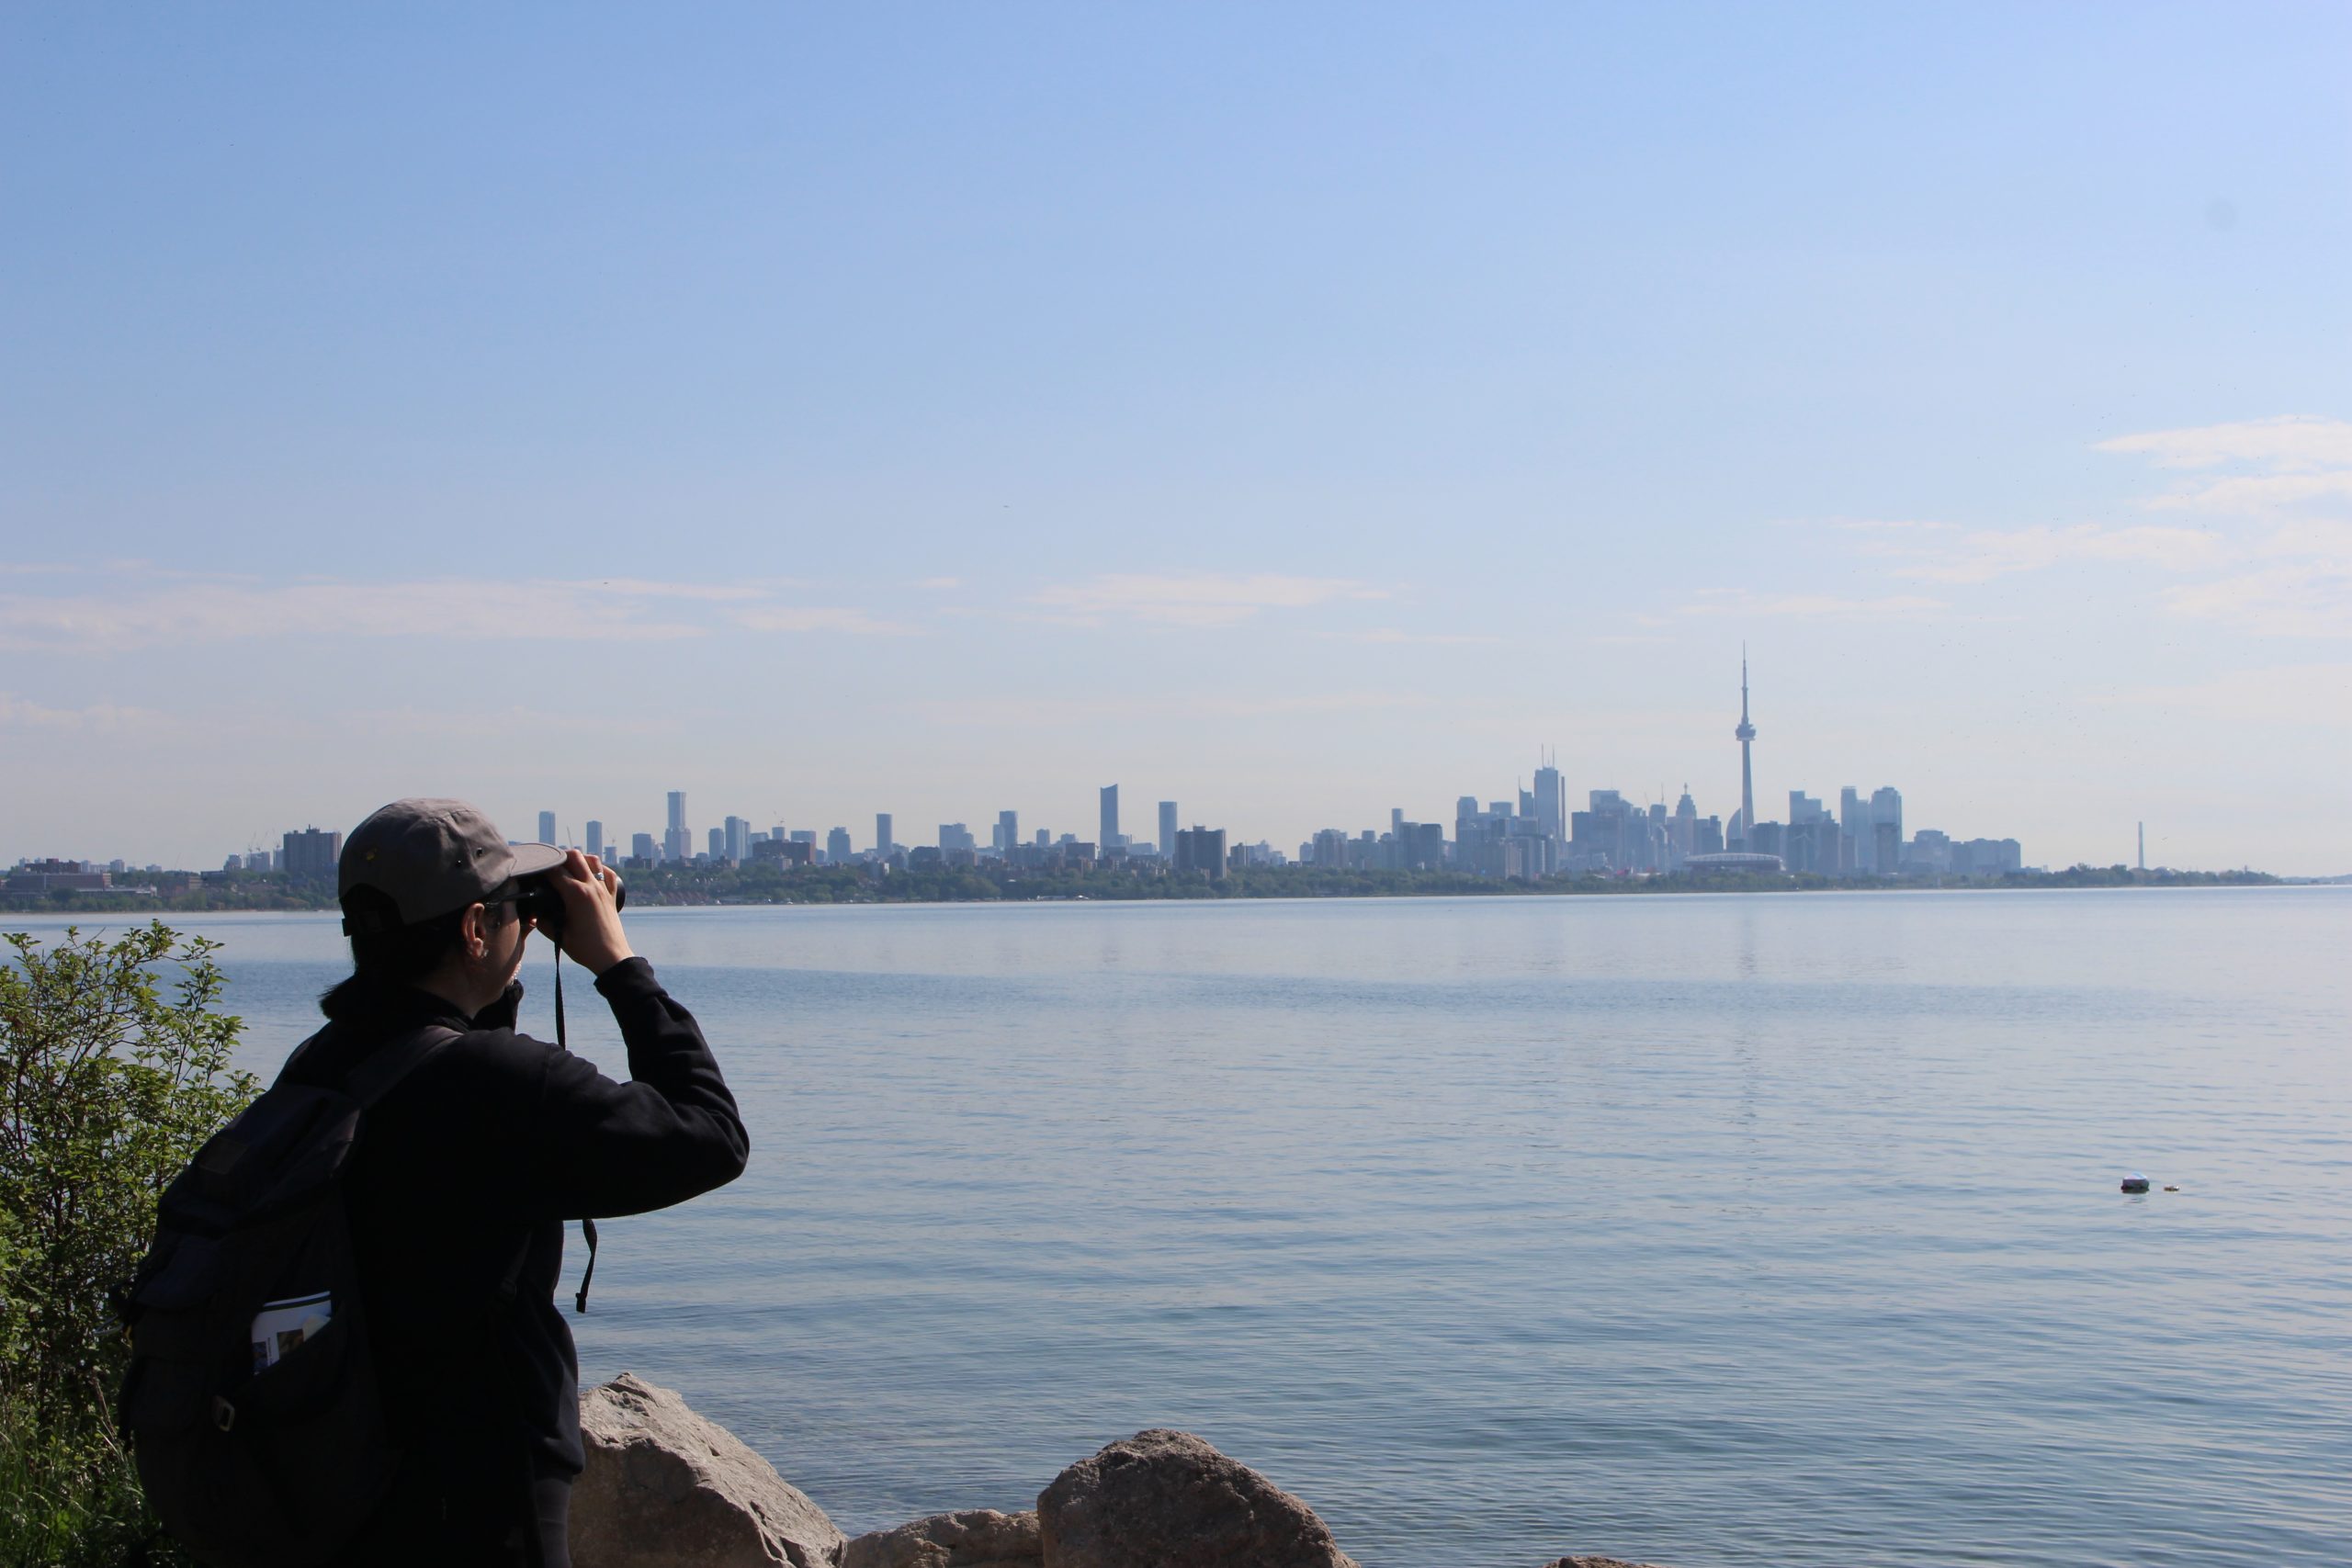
{"x":282,"y":1327}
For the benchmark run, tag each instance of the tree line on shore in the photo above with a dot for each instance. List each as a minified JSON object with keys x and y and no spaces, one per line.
{"x":988,"y":882}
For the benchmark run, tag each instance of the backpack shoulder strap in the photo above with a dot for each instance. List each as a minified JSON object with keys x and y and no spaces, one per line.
{"x":384,"y":1068}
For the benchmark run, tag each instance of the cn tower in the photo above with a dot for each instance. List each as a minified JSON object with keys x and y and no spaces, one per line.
{"x":1747,"y":736}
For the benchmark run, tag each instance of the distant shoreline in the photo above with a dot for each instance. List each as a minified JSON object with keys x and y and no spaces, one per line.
{"x":652,"y":888}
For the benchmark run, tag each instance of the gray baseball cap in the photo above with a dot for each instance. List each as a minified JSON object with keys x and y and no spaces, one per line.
{"x":432,"y":856}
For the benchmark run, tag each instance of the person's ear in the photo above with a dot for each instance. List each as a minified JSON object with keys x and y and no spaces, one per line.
{"x":473,"y":934}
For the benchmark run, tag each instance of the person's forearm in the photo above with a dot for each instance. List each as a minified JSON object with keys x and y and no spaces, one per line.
{"x":671,"y":1131}
{"x":666,"y":1048}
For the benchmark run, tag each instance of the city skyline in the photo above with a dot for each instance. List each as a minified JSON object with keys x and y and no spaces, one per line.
{"x":1531,"y":832}
{"x":1292,"y":420}
{"x":1869,"y":830}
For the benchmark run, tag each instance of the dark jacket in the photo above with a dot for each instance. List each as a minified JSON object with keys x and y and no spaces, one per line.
{"x":475,"y":1160}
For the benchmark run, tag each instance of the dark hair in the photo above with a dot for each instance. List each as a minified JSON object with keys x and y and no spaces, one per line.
{"x":391,"y":955}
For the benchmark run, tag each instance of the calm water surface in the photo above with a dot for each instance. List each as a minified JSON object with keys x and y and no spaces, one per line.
{"x":1705,"y":1230}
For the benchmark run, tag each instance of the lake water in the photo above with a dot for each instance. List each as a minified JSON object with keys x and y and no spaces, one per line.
{"x":1707,"y":1230}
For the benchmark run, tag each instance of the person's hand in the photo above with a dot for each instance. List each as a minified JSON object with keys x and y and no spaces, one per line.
{"x":593,"y":937}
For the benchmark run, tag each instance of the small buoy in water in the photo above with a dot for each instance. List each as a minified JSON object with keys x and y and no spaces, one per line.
{"x":2135,"y":1182}
{"x":2170,"y":1188}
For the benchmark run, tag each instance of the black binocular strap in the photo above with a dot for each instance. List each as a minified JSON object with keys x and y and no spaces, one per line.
{"x":587,"y":1227}
{"x":579,"y":1301}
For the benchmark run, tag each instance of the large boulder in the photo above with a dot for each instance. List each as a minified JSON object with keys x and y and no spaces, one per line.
{"x":666,"y":1489}
{"x":975,"y":1537}
{"x":1166,"y":1499}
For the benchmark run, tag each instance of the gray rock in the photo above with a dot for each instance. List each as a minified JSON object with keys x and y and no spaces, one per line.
{"x":976,"y":1538}
{"x":1595,"y":1562}
{"x":666,"y":1489}
{"x":1166,"y":1499}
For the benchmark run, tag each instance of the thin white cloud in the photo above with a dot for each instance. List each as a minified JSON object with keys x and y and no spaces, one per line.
{"x":2286,"y":443}
{"x":1985,"y":554}
{"x":1395,"y":634}
{"x":1892,"y":525}
{"x":203,"y":613}
{"x":1053,"y":713}
{"x":1197,"y":599}
{"x":2305,"y":599}
{"x":2324,"y":538}
{"x":820,"y":618}
{"x":1311,"y":702}
{"x":1810,"y":606}
{"x":2274,"y":560}
{"x":2253,"y":495}
{"x":107,"y":718}
{"x":544,"y":726}
{"x":143,"y":613}
{"x":2292,"y":476}
{"x":2267,"y":465}
{"x":713,"y":592}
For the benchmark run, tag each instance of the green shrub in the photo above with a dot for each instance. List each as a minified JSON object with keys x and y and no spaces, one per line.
{"x":111,"y":1075}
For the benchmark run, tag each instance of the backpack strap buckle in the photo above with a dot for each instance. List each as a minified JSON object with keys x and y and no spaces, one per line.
{"x":224,"y":1415}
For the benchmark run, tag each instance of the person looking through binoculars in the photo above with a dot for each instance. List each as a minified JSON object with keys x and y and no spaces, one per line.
{"x":464,"y":1171}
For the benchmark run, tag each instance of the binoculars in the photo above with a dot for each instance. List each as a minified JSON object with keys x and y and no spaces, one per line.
{"x":540,"y":902}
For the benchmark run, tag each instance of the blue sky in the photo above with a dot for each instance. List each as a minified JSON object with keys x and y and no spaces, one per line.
{"x":1296,"y":411}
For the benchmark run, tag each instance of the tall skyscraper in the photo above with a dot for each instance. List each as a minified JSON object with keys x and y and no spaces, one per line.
{"x":1008,"y":831}
{"x":595,"y":838}
{"x":1854,"y":827}
{"x":1747,"y":737}
{"x":1166,"y":830}
{"x":1886,"y":831}
{"x":736,"y":840}
{"x":1886,"y":805}
{"x":1809,"y":839}
{"x":882,"y":840}
{"x":1109,"y":835}
{"x":1550,"y":809}
{"x":1682,"y":831}
{"x":677,"y":844}
{"x":718,"y":843}
{"x":547,"y":826}
{"x":837,"y":851}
